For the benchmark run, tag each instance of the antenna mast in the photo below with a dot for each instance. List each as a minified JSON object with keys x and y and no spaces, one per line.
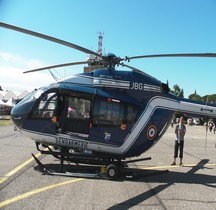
{"x":97,"y":62}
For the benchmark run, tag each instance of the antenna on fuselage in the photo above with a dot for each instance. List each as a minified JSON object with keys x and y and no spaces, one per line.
{"x":53,"y":76}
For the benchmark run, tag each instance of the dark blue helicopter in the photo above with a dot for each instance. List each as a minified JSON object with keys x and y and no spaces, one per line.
{"x":103,"y":116}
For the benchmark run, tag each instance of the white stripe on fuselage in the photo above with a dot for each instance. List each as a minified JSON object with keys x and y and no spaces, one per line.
{"x":112,"y":83}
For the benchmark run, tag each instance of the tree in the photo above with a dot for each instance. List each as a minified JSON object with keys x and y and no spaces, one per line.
{"x":195,"y":97}
{"x":177,"y":91}
{"x":209,"y":98}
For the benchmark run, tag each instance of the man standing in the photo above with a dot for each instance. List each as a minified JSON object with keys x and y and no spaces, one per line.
{"x":180,"y":131}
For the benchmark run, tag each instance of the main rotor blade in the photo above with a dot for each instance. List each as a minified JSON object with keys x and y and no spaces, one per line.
{"x":52,"y":39}
{"x":56,"y":66}
{"x":131,"y":67}
{"x":136,"y":70}
{"x":174,"y":55}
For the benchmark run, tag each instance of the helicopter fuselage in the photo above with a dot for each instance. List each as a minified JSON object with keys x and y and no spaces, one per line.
{"x":108,"y":112}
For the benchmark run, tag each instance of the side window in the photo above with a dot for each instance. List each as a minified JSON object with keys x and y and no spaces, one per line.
{"x":108,"y":112}
{"x":46,"y":106}
{"x":78,"y":108}
{"x":132,"y":112}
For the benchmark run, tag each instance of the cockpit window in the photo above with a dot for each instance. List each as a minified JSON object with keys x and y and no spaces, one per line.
{"x":33,"y":95}
{"x":46,"y":106}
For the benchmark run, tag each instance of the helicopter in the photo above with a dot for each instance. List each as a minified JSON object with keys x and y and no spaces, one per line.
{"x":101,"y":117}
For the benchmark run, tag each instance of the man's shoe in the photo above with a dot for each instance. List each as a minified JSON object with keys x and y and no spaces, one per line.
{"x":181,"y":164}
{"x":173,"y":164}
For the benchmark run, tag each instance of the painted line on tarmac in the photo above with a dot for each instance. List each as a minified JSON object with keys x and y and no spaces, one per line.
{"x":19,"y":167}
{"x":176,"y":166}
{"x":39,"y":190}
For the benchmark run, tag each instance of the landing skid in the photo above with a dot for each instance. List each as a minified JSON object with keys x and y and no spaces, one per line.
{"x":96,"y":168}
{"x":47,"y":171}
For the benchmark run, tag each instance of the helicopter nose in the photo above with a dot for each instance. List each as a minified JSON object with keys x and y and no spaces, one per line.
{"x":18,"y":114}
{"x":21,"y":111}
{"x":17,"y":120}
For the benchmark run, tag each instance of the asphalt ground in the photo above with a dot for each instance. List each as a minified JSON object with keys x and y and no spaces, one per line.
{"x":193,"y":186}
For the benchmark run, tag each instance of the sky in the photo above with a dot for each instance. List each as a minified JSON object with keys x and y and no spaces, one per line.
{"x":130,"y":28}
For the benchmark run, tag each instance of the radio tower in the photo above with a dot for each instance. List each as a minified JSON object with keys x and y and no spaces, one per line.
{"x":100,"y":40}
{"x":97,"y":61}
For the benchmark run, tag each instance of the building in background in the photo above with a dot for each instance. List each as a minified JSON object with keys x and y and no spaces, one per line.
{"x":8,"y":99}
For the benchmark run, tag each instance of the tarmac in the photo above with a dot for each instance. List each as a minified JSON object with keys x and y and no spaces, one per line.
{"x":193,"y":186}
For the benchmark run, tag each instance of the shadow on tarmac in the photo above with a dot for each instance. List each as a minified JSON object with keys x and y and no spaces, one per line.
{"x":151,"y":176}
{"x":163,"y":178}
{"x":168,"y":180}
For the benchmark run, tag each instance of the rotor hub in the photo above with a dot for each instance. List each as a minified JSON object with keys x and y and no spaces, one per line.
{"x":111,"y":60}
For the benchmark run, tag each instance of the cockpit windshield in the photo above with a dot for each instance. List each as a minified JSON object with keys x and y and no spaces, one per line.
{"x":24,"y":106}
{"x":34,"y":95}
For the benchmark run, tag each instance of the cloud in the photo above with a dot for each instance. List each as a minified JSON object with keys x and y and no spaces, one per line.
{"x":12,"y":77}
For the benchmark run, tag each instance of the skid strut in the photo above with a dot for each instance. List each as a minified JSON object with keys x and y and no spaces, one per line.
{"x":111,"y":170}
{"x":70,"y":174}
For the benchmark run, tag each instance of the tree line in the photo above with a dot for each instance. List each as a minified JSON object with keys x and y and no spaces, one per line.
{"x":194,"y":96}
